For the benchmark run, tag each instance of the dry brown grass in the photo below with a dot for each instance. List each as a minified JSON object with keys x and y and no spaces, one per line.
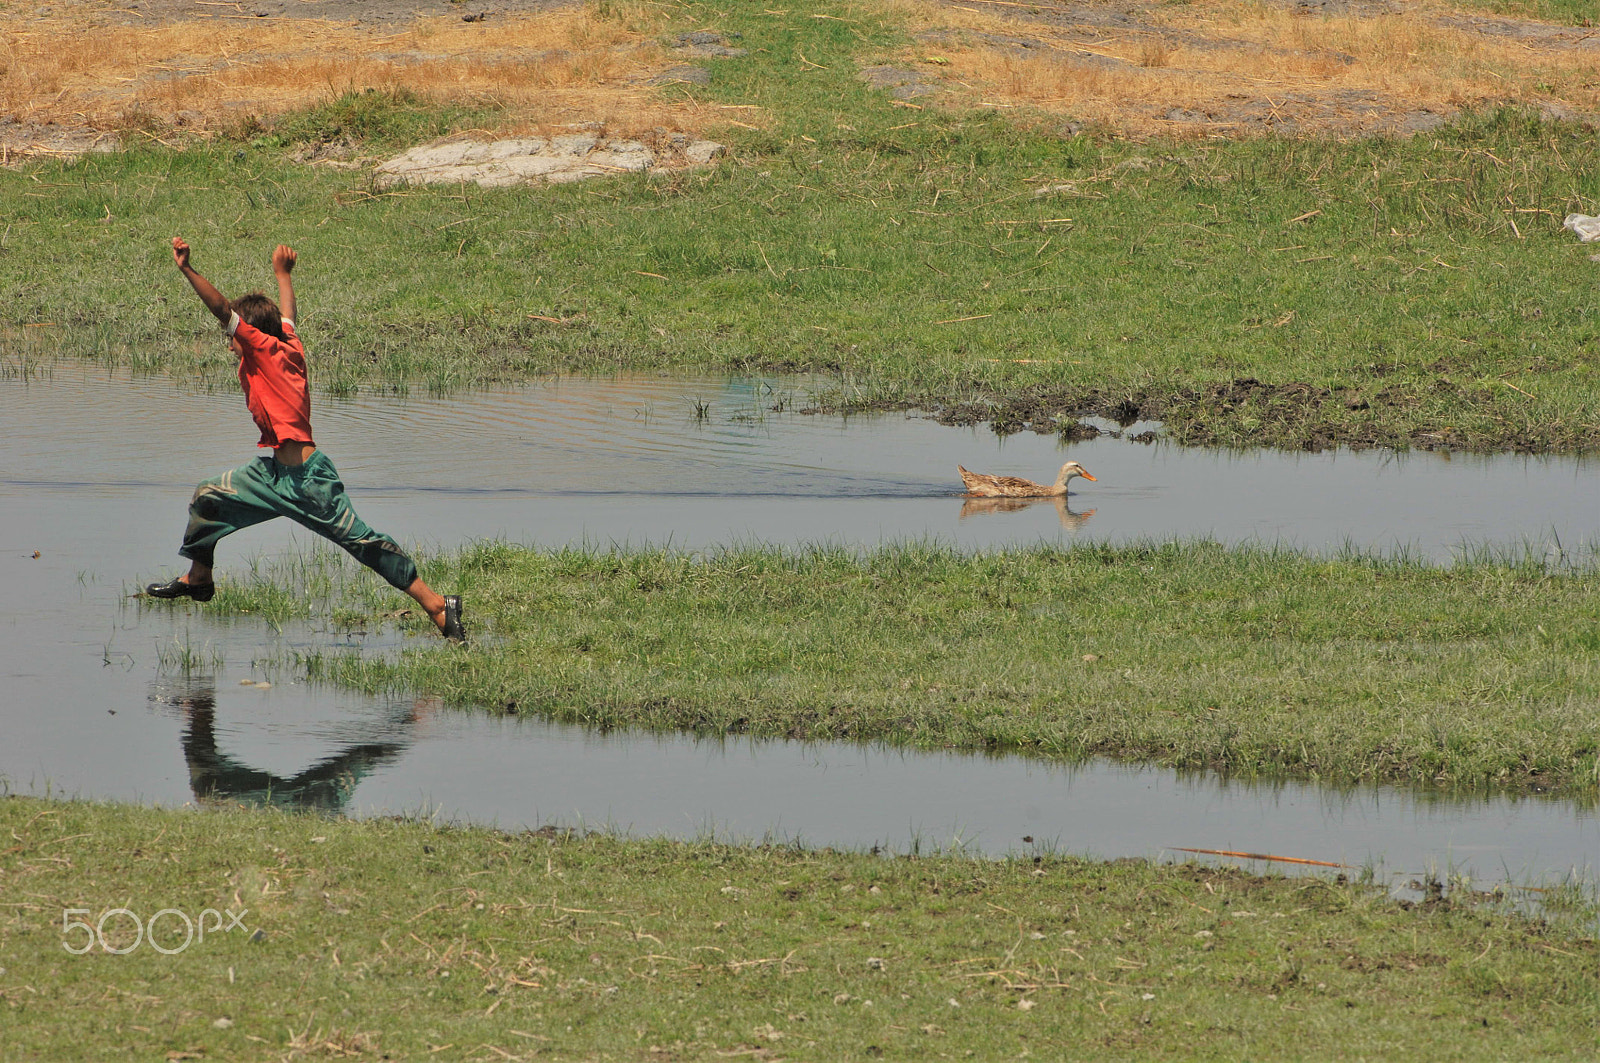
{"x":1240,"y":64}
{"x":541,"y":69}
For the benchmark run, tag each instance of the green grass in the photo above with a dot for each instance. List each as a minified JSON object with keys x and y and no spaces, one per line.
{"x":1416,"y":292}
{"x":376,"y":120}
{"x":401,"y":940}
{"x":1243,"y":660}
{"x":1566,"y":12}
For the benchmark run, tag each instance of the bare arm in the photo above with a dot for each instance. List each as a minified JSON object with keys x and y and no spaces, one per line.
{"x":203,"y":288}
{"x":283,"y":260}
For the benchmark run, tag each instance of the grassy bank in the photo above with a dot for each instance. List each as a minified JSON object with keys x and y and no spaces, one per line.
{"x":400,"y":940}
{"x":1265,"y":291}
{"x":1238,"y":659}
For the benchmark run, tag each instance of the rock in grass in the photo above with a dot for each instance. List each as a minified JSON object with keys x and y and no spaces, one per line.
{"x":531,"y":160}
{"x":682,"y":75}
{"x":901,"y":84}
{"x":706,"y":43}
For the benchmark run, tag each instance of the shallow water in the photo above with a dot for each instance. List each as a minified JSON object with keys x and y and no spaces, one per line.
{"x":97,"y":471}
{"x":627,"y":461}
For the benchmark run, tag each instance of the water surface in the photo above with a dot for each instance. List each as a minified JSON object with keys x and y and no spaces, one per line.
{"x":628,"y":461}
{"x":96,"y":703}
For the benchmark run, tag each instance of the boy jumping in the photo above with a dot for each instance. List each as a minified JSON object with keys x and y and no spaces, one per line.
{"x":297,"y":481}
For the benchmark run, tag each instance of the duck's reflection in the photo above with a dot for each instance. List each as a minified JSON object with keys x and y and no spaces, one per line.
{"x":218,"y":777}
{"x":1069,"y":520}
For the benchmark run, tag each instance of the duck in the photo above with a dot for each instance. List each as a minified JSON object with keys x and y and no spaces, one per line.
{"x":986,"y":486}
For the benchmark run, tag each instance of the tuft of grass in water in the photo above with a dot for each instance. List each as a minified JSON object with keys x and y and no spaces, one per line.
{"x":1245,"y":660}
{"x":183,"y":657}
{"x":413,"y":940}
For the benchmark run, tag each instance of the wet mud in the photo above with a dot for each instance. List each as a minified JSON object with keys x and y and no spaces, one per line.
{"x":1293,"y":415}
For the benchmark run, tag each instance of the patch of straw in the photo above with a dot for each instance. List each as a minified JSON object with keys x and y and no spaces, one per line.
{"x":537,"y":69}
{"x":1240,"y":63}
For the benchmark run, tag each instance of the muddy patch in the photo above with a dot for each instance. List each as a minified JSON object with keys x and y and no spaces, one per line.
{"x":1526,"y":32}
{"x":542,"y":160}
{"x":1300,"y":111}
{"x":708,"y":45}
{"x":50,"y":139}
{"x":682,"y":75}
{"x":1064,"y":414}
{"x":1362,"y":8}
{"x":899,"y":83}
{"x":1294,"y":415}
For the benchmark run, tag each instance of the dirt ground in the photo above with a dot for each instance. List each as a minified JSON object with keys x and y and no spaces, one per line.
{"x":367,"y":12}
{"x":1231,"y":68}
{"x":81,"y":75}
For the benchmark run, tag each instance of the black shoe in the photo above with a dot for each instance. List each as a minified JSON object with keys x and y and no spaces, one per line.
{"x":200,"y":592}
{"x":452,"y":619}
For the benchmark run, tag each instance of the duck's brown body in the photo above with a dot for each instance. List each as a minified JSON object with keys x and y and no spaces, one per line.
{"x":986,"y":486}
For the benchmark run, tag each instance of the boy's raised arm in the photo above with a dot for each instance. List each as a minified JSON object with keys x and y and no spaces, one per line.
{"x":283,"y":260}
{"x":203,"y":288}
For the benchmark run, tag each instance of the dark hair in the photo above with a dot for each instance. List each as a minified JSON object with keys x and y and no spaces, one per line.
{"x":260,"y":313}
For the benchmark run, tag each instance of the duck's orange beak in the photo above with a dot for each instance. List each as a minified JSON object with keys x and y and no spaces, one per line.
{"x":1086,"y":476}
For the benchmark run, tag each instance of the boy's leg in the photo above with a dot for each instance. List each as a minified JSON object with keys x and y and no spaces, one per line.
{"x":325,"y":509}
{"x":443,"y":610}
{"x":221,"y":506}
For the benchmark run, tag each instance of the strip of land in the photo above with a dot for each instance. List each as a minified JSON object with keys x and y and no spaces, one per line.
{"x":992,"y":264}
{"x":410,"y":941}
{"x":1248,"y":661}
{"x":93,"y":74}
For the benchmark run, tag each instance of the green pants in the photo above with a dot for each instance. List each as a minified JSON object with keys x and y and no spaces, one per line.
{"x":310,"y":494}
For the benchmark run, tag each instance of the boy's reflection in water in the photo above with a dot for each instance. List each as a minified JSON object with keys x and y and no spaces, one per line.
{"x":325,"y":786}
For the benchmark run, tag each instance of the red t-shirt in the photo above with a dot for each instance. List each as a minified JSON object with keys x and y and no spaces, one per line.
{"x":273,"y":376}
